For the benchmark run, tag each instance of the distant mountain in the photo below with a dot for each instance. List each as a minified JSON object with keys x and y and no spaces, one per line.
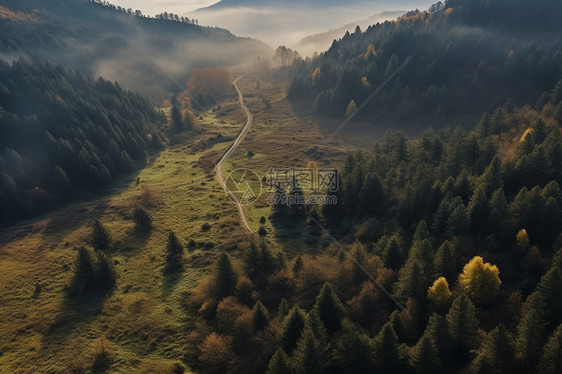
{"x":322,"y":41}
{"x":224,"y":4}
{"x":153,"y":56}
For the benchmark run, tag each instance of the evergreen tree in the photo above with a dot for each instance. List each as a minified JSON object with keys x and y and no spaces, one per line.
{"x":424,"y":356}
{"x":422,"y":232}
{"x":329,"y":308}
{"x":530,"y":332}
{"x":283,"y":309}
{"x":492,"y":179}
{"x":551,"y":359}
{"x":386,"y":352}
{"x":478,"y":210}
{"x":353,"y":351}
{"x":392,"y":253}
{"x":106,"y":275}
{"x":279,"y":363}
{"x":297,"y":267}
{"x":499,"y":349}
{"x":174,"y":254}
{"x":438,"y":331}
{"x":101,"y":238}
{"x":411,"y":281}
{"x":60,"y":183}
{"x":85,"y":270}
{"x":142,"y":219}
{"x":291,"y":329}
{"x":225,"y":277}
{"x":463,"y":326}
{"x":458,"y":222}
{"x":445,"y":261}
{"x":260,"y":316}
{"x":308,"y":357}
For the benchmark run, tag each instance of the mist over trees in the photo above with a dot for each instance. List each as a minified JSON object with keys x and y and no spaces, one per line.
{"x":62,"y":133}
{"x":467,"y":57}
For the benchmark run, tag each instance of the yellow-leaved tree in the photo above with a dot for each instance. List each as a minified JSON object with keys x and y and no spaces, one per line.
{"x":523,"y":240}
{"x":351,"y":108}
{"x":481,"y":281}
{"x":440,"y":295}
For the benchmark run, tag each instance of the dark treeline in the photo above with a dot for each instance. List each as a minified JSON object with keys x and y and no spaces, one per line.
{"x":164,"y":15}
{"x":467,"y":57}
{"x":62,"y":132}
{"x":462,"y":228}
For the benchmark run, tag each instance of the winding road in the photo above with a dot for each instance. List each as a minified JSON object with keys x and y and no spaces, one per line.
{"x":236,"y":143}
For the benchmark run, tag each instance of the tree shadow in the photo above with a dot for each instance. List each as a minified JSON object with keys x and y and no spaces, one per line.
{"x":170,"y":282}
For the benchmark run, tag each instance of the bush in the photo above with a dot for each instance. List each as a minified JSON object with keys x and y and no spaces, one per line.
{"x":262,"y":231}
{"x":205,"y":227}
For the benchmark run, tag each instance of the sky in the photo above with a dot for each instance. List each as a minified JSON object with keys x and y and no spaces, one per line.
{"x":152,"y":7}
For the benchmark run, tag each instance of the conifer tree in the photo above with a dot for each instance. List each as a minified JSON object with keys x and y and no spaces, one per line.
{"x":411,"y":281}
{"x":445,"y":261}
{"x":101,"y":239}
{"x":279,"y":363}
{"x":530,"y":337}
{"x":551,"y":359}
{"x":308,"y":357}
{"x":386,"y":352}
{"x":392,"y":253}
{"x":291,"y":329}
{"x":260,"y":316}
{"x":329,"y":308}
{"x":142,"y":219}
{"x":85,"y":271}
{"x":283,"y":308}
{"x":106,"y":275}
{"x":424,"y":356}
{"x":225,"y":277}
{"x":174,"y":254}
{"x":463,"y":326}
{"x":353,"y":351}
{"x":438,"y":331}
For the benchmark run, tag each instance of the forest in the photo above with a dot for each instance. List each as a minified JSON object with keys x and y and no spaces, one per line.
{"x":462,"y":229}
{"x":453,"y":63}
{"x":62,"y":133}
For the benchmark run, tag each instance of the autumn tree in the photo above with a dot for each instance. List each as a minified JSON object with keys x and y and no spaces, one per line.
{"x":480,"y":280}
{"x":351,"y":108}
{"x":440,"y":295}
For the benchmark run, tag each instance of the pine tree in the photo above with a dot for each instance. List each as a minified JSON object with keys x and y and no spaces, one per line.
{"x":411,"y":281}
{"x":422,"y":250}
{"x":142,"y":219}
{"x":279,"y":363}
{"x":291,"y":329}
{"x":297,"y":267}
{"x":174,"y":254}
{"x":424,"y":356}
{"x":329,"y":308}
{"x":438,"y":331}
{"x":492,"y":179}
{"x":392,"y":253}
{"x":260,"y":316}
{"x":458,"y":222}
{"x":225,"y":277}
{"x":530,"y":332}
{"x":480,"y":280}
{"x":387,"y":356}
{"x":478,"y":210}
{"x":463,"y":326}
{"x":353,"y":351}
{"x":422,"y":232}
{"x":283,"y":308}
{"x":85,"y":271}
{"x":551,"y":359}
{"x":308,"y":357}
{"x":498,"y":347}
{"x":106,"y":275}
{"x":445,"y":261}
{"x":101,"y":238}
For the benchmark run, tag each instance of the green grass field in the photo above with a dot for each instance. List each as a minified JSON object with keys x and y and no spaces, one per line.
{"x":143,"y":326}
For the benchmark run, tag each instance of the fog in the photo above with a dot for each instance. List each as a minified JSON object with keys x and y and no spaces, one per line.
{"x":283,"y":24}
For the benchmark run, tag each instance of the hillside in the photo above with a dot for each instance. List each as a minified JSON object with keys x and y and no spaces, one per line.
{"x":323,"y":41}
{"x":153,"y":56}
{"x":463,"y":59}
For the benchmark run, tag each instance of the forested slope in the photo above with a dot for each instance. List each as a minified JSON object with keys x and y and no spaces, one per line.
{"x":62,"y":132}
{"x":467,"y":57}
